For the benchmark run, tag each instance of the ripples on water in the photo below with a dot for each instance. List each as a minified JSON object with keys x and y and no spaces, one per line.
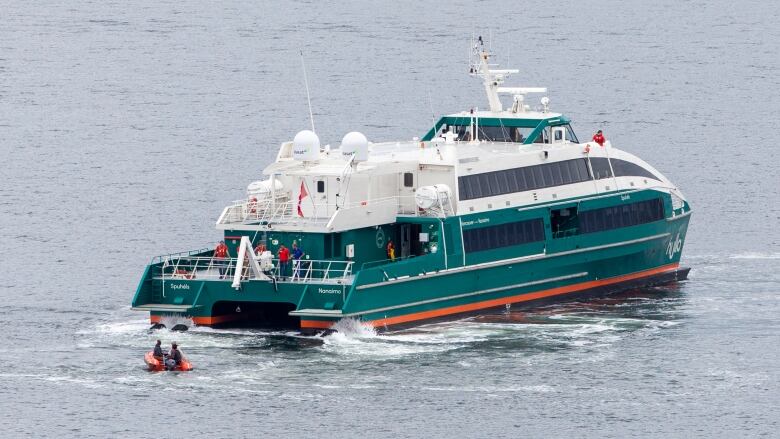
{"x":125,"y":128}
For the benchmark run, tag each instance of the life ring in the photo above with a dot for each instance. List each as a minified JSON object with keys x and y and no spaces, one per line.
{"x":252,"y":205}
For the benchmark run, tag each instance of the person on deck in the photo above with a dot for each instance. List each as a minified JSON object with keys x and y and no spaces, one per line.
{"x":297,"y":254}
{"x":158,"y":352}
{"x":599,"y":138}
{"x":260,"y":249}
{"x":174,"y":357}
{"x":390,"y":250}
{"x":284,"y":261}
{"x":220,"y":253}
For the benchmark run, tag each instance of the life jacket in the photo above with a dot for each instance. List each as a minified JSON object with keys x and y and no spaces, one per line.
{"x":220,"y":251}
{"x":599,"y":138}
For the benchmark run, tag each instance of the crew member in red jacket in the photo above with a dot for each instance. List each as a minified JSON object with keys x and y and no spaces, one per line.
{"x":220,"y":253}
{"x":599,"y":138}
{"x":284,"y":261}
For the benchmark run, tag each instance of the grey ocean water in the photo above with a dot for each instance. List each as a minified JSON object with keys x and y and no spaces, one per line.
{"x":125,"y":127}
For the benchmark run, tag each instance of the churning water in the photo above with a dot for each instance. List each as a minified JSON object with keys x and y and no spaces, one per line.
{"x":125,"y":128}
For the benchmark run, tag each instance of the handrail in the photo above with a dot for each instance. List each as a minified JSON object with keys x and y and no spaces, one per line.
{"x":211,"y":268}
{"x":380,"y":262}
{"x":161,"y":258}
{"x":275,"y":211}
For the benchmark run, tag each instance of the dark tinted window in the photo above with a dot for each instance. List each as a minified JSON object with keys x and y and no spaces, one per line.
{"x":503,"y":235}
{"x":570,"y":134}
{"x":320,"y":186}
{"x":528,"y":178}
{"x":408,"y":179}
{"x":625,"y":215}
{"x":624,"y":168}
{"x":600,"y":166}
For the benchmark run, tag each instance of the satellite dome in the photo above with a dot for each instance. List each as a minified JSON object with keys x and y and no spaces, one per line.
{"x":306,"y":146}
{"x":355,"y":143}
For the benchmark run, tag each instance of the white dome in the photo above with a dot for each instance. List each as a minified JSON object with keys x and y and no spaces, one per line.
{"x":355,"y":143}
{"x":306,"y":146}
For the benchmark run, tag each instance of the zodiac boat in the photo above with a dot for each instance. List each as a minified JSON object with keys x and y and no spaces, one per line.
{"x":157,"y":366}
{"x":490,"y":208}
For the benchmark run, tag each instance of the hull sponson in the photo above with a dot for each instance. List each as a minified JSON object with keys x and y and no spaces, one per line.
{"x":585,"y":290}
{"x":641,"y":261}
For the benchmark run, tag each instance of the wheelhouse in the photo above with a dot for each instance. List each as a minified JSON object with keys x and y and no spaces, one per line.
{"x":545,"y":128}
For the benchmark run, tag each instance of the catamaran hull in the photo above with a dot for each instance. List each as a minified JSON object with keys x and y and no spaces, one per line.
{"x":647,"y":256}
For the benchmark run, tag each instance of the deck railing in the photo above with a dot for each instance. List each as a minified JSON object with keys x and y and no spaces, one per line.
{"x":286,"y":212}
{"x":210,"y":268}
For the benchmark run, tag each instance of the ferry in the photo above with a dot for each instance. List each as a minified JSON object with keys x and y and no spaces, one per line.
{"x":497,"y":208}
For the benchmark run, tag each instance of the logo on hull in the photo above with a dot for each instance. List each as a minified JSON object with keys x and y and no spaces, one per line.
{"x":674,"y":246}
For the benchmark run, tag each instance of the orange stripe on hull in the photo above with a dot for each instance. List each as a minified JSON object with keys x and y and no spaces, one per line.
{"x":519,"y":298}
{"x":316,"y":324}
{"x":215,"y":320}
{"x":154,"y":319}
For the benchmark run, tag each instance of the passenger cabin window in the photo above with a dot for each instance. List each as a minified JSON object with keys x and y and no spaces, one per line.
{"x":320,"y":186}
{"x":625,"y":215}
{"x":507,"y":181}
{"x":624,"y":168}
{"x":600,"y":166}
{"x":408,"y":179}
{"x":503,"y":235}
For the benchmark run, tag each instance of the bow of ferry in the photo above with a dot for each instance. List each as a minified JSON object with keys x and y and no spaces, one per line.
{"x":495,"y":208}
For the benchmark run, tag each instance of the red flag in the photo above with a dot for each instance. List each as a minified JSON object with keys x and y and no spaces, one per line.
{"x":303,"y":195}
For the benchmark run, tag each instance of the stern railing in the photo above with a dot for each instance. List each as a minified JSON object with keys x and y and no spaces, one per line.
{"x":211,"y":268}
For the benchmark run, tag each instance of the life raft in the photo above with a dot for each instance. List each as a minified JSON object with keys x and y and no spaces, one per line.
{"x":157,"y":366}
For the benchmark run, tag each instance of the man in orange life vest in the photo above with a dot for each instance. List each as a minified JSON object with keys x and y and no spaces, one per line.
{"x":220,"y":253}
{"x":390,"y":250}
{"x":599,"y":138}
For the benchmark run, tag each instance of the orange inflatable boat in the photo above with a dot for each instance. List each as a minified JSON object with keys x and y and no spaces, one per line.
{"x":156,"y":365}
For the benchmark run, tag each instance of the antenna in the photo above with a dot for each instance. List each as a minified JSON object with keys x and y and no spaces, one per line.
{"x":308,"y":96}
{"x":433,"y":115}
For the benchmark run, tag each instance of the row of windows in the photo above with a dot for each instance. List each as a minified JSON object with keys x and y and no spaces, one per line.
{"x":503,"y":235}
{"x":510,"y":134}
{"x":628,"y":169}
{"x":507,"y":181}
{"x":615,"y":217}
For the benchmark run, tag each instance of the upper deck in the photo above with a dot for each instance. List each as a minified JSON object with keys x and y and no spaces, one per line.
{"x":468,"y":162}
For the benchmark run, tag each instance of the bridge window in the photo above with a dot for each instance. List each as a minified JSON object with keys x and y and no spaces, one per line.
{"x":503,"y":235}
{"x":624,"y":215}
{"x":490,"y":133}
{"x":320,"y":186}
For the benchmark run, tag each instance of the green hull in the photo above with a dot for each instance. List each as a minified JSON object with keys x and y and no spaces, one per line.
{"x":449,"y":282}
